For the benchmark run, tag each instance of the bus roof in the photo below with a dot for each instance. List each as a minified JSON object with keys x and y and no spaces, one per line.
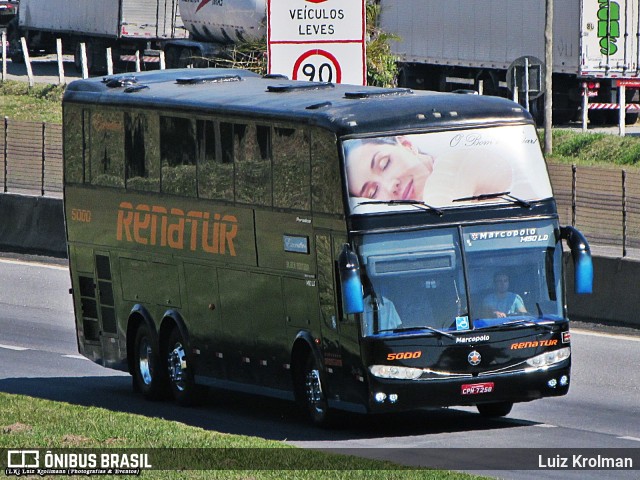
{"x":344,"y":109}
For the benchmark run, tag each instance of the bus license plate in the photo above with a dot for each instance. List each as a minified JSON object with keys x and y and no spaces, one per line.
{"x":476,"y":388}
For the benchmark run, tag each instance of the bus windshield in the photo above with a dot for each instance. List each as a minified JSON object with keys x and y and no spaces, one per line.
{"x":418,"y":280}
{"x":445,"y":169}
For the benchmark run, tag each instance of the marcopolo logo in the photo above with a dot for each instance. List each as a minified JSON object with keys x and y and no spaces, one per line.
{"x":475,"y":339}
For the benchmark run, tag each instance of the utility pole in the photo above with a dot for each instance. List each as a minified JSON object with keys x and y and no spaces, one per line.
{"x":548,"y":60}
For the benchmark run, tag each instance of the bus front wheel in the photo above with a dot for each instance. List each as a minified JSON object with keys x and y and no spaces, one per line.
{"x":180,"y":371}
{"x":498,"y":409}
{"x":148,"y":376}
{"x":312,"y":393}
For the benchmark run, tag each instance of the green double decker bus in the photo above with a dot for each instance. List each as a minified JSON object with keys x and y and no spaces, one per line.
{"x":351,"y":248}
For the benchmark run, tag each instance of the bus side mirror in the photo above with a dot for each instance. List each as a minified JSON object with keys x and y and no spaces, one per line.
{"x":350,"y":282}
{"x":582,"y":263}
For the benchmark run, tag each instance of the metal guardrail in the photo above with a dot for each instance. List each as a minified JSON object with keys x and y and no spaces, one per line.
{"x":602,"y":202}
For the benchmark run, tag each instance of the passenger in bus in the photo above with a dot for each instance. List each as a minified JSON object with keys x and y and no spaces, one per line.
{"x":502,"y":302}
{"x":393,"y":168}
{"x":379,"y":314}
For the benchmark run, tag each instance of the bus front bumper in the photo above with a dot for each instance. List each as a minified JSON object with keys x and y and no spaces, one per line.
{"x":522,"y":386}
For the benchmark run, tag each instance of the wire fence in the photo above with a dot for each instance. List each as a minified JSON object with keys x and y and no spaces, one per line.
{"x":31,"y":158}
{"x":602,"y":202}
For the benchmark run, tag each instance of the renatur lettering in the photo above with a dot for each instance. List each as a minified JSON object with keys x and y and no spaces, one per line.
{"x":156,"y":225}
{"x":534,"y":344}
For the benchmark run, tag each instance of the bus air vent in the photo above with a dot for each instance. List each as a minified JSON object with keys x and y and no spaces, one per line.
{"x":135,"y":88}
{"x":294,"y":87}
{"x":208,"y":79}
{"x":120,"y":81}
{"x":275,"y":76}
{"x":317,"y":106}
{"x":385,"y":92}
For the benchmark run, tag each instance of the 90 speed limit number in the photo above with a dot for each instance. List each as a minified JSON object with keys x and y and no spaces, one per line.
{"x":317,"y":66}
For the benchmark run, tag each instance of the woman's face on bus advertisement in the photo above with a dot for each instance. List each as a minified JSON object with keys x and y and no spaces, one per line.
{"x":388,"y":171}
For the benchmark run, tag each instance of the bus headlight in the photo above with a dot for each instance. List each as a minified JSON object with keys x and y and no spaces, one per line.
{"x":549,"y":358}
{"x":392,"y":371}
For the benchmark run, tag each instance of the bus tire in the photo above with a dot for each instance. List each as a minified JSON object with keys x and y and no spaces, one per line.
{"x":149,"y":378}
{"x":498,"y":409}
{"x":180,"y":372}
{"x":313,"y":397}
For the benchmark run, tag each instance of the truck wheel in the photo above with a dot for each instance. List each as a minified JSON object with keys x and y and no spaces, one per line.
{"x":149,"y":378}
{"x":498,"y":409}
{"x":180,"y":371}
{"x":311,"y":393}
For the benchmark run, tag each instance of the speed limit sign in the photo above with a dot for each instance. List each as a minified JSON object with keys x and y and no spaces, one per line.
{"x":317,"y":40}
{"x":317,"y":66}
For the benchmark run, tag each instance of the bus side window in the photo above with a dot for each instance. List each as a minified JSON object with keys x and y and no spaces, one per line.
{"x":141,"y":152}
{"x":73,"y":128}
{"x":215,"y":177}
{"x":178,"y":156}
{"x":325,"y":173}
{"x":291,"y":169}
{"x":251,"y":147}
{"x":106,"y":148}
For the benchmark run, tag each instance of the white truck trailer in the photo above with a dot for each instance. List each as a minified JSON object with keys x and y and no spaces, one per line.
{"x":182,"y":28}
{"x":123,"y":25}
{"x":453,"y":44}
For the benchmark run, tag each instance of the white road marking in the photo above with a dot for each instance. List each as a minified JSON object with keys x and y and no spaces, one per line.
{"x":546,"y":425}
{"x":13,"y":347}
{"x":633,"y":439}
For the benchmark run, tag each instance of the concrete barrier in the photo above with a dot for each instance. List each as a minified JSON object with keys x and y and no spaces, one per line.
{"x":615,"y":299}
{"x":30,"y":224}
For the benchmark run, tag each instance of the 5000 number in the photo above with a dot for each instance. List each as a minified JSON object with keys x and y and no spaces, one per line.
{"x":403,"y":355}
{"x":78,"y":215}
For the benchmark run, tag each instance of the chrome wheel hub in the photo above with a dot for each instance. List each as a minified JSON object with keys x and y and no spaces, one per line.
{"x":314,"y":390}
{"x":177,"y":364}
{"x":144,"y":362}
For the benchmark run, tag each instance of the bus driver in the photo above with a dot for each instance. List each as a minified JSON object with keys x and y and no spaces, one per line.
{"x":502,"y":302}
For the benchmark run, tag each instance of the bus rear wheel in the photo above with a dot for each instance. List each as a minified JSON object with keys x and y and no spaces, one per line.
{"x":149,"y":377}
{"x":498,"y":409}
{"x":180,"y":371}
{"x":312,"y":394}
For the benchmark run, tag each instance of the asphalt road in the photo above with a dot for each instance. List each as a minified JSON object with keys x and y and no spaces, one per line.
{"x":44,"y":69}
{"x":602,"y":411}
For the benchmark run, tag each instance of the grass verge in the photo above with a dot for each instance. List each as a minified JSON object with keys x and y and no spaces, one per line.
{"x":42,"y":103}
{"x":595,"y":149}
{"x":27,"y":422}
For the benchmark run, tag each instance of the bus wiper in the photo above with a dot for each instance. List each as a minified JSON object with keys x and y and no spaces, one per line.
{"x":424,"y":327}
{"x":524,"y":322}
{"x":487,"y":196}
{"x":416,"y":203}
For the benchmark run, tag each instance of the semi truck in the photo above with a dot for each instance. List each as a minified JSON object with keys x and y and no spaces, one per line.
{"x":462,"y":44}
{"x":183,"y":29}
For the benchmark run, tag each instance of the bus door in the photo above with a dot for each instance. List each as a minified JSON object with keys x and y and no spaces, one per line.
{"x":93,"y":280}
{"x":340,"y":337}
